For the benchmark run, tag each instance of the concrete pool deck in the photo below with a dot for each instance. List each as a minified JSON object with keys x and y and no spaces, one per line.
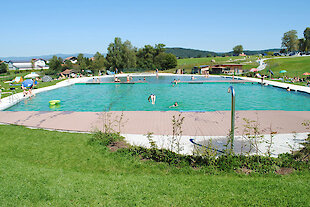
{"x":202,"y":126}
{"x":160,"y":122}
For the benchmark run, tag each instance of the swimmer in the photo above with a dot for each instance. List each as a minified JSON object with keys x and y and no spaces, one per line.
{"x":152,"y":97}
{"x":193,"y":78}
{"x":30,"y":91}
{"x":174,"y":105}
{"x":25,"y":92}
{"x":288,"y":89}
{"x":144,"y":78}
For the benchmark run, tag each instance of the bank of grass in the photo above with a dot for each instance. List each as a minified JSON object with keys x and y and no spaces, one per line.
{"x":5,"y":87}
{"x":188,"y":63}
{"x":40,"y":168}
{"x":295,"y":66}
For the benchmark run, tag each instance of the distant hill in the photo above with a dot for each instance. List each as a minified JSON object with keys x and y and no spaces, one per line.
{"x":45,"y":57}
{"x":189,"y":53}
{"x":192,"y":53}
{"x":255,"y":52}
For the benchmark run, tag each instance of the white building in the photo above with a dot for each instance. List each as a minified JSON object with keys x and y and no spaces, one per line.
{"x":35,"y":64}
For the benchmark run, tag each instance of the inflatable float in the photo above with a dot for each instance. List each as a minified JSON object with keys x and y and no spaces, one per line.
{"x":54,"y":102}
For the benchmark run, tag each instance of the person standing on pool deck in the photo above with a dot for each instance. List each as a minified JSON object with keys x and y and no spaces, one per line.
{"x":152,"y":97}
{"x":156,"y":73}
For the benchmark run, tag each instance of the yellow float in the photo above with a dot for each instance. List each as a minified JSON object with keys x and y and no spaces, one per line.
{"x":54,"y":102}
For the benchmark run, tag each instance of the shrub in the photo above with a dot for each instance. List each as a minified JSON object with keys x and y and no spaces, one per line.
{"x":105,"y":139}
{"x":227,"y":163}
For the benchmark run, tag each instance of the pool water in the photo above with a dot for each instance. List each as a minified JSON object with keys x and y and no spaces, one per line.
{"x":190,"y":97}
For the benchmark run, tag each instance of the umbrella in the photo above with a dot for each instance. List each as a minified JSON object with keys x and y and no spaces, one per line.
{"x":27,"y":83}
{"x":283,"y":71}
{"x":32,"y":75}
{"x":307,"y":73}
{"x":47,"y":78}
{"x":254,"y":70}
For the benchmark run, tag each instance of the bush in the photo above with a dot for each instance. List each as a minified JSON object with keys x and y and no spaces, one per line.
{"x":227,"y":163}
{"x":105,"y":139}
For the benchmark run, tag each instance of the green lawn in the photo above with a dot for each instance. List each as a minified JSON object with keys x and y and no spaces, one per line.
{"x":5,"y":87}
{"x":295,"y":66}
{"x":40,"y":168}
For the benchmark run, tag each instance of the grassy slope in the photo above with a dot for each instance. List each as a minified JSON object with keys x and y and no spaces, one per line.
{"x":189,"y":63}
{"x":40,"y":168}
{"x":295,"y":66}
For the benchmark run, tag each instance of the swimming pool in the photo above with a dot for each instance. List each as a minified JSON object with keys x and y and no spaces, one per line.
{"x":210,"y":96}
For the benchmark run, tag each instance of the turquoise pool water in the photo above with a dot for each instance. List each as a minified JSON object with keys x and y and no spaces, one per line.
{"x":191,"y":97}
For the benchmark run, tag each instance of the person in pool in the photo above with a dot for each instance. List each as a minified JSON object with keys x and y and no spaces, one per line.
{"x":174,"y":105}
{"x":152,"y":97}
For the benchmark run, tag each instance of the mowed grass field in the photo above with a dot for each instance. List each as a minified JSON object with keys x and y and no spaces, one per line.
{"x":44,"y":168}
{"x":295,"y":66}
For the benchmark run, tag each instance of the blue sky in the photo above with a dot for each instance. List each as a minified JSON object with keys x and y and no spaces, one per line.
{"x":49,"y":27}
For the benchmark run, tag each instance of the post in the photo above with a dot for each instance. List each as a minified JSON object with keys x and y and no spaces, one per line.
{"x":232,"y":127}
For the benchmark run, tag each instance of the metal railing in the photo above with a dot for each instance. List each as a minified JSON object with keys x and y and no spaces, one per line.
{"x":232,"y":127}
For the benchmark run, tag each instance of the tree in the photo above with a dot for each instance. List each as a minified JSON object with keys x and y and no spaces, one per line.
{"x":238,"y":49}
{"x":290,"y":40}
{"x":301,"y":44}
{"x":55,"y":64}
{"x":160,"y":48}
{"x":3,"y":67}
{"x":166,"y":61}
{"x":121,"y":55}
{"x":145,"y":57}
{"x":68,"y":64}
{"x":307,"y":39}
{"x":98,"y":62}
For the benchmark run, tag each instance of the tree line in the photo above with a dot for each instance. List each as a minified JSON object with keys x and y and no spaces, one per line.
{"x":291,"y":42}
{"x":121,"y":56}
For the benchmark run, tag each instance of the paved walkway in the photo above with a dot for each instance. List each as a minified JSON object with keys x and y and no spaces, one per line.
{"x":160,"y":123}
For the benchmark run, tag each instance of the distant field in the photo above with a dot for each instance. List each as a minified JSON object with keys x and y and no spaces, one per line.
{"x":295,"y":66}
{"x":44,"y":168}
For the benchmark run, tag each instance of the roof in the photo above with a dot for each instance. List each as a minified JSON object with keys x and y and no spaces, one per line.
{"x":68,"y":71}
{"x":215,"y":67}
{"x":71,"y":57}
{"x":230,"y":65}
